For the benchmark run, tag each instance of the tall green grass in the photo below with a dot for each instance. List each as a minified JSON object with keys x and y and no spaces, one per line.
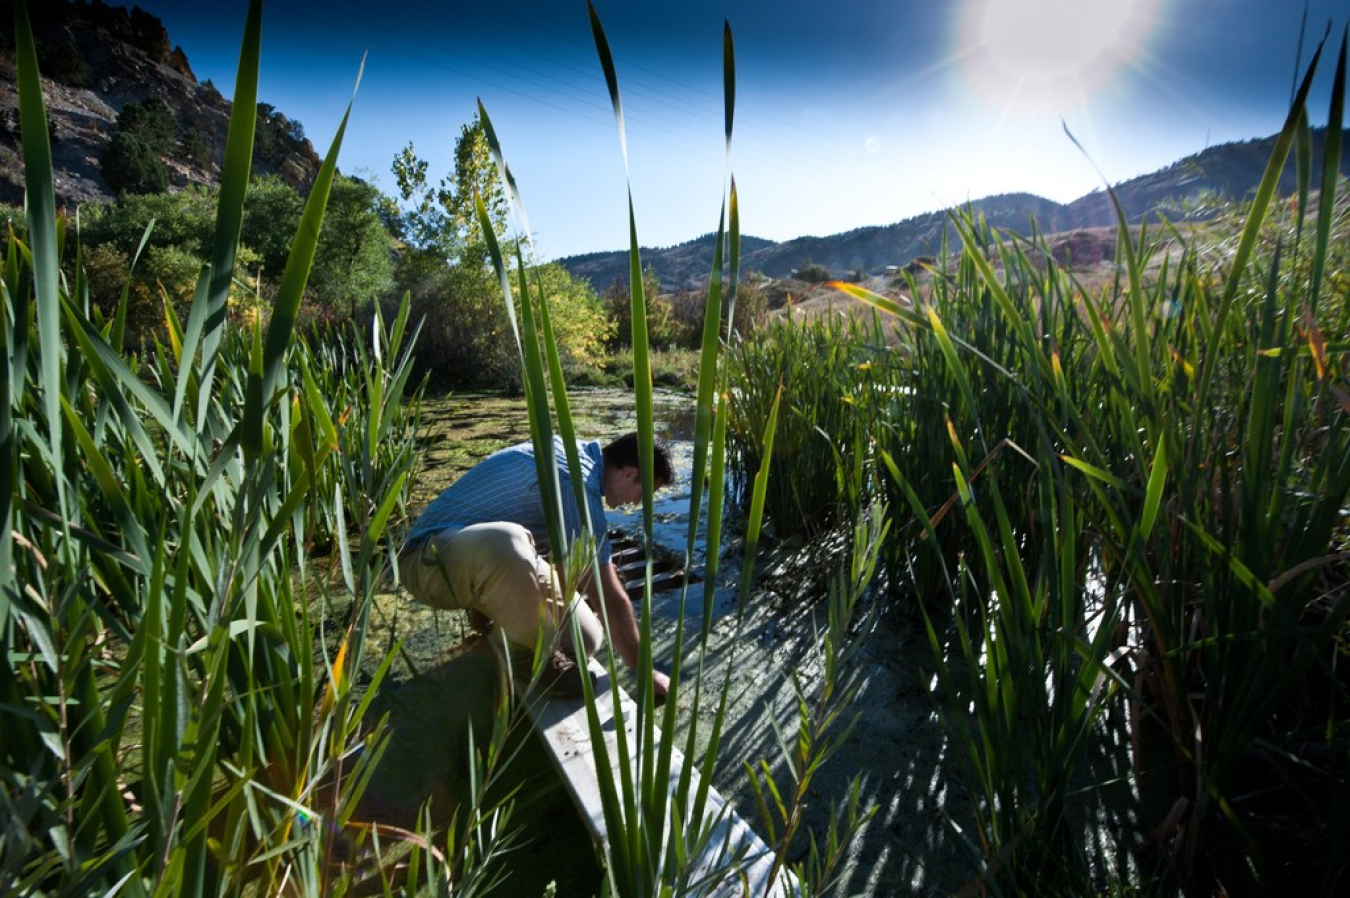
{"x":167,"y":729}
{"x":660,"y":823}
{"x":1124,"y":523}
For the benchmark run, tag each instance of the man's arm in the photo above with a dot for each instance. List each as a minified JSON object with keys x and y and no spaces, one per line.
{"x":623,"y":628}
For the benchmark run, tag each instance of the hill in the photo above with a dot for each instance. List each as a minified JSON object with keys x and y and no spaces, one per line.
{"x":96,"y":60}
{"x":1184,"y":189}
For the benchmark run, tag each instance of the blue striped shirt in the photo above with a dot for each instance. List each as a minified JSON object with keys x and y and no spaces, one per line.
{"x":505,"y":487}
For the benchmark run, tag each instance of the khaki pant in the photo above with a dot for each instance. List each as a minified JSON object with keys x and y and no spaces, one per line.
{"x":495,"y":569}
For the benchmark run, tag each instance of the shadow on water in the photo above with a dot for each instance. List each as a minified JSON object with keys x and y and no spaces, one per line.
{"x":433,"y":720}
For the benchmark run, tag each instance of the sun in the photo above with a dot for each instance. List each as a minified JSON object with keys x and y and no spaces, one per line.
{"x":1049,"y":56}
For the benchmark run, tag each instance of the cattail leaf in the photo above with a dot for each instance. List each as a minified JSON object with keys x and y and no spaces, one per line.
{"x":206,"y":319}
{"x":40,"y":200}
{"x":289,"y":293}
{"x":1157,"y":480}
{"x":1331,"y":167}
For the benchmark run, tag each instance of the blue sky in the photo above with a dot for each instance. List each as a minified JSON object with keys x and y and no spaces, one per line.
{"x":848,"y":113}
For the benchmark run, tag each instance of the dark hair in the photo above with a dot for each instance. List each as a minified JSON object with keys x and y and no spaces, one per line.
{"x":623,"y":453}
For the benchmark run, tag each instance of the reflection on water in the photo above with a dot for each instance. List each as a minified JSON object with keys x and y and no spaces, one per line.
{"x":674,"y":421}
{"x":462,"y":430}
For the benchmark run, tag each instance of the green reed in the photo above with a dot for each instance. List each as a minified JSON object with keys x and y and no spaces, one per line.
{"x":167,"y":729}
{"x":1124,"y":523}
{"x":836,"y":378}
{"x":658,"y":818}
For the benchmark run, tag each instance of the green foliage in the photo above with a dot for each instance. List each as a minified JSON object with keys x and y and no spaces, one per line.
{"x":130,"y":166}
{"x":131,"y":162}
{"x":192,"y":147}
{"x":172,"y":730}
{"x":580,"y":325}
{"x":683,"y":321}
{"x":184,"y":218}
{"x":170,"y":261}
{"x":271,"y":212}
{"x":62,"y":61}
{"x":354,"y":264}
{"x":811,"y":272}
{"x":152,"y":121}
{"x":618,"y":305}
{"x":1125,"y":524}
{"x":278,"y":136}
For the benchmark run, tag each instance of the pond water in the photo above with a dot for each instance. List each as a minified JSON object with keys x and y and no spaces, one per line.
{"x":462,"y":429}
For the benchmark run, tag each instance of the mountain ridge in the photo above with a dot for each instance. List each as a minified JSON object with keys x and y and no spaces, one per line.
{"x":1186,"y":189}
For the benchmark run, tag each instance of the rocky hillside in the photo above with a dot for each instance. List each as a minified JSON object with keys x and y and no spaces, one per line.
{"x":1229,"y":171}
{"x":96,"y":59}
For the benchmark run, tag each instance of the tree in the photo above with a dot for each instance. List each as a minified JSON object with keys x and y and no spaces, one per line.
{"x":130,"y":165}
{"x":438,"y":222}
{"x":193,"y":147}
{"x":152,"y":121}
{"x":353,"y":265}
{"x":272,"y":212}
{"x":620,"y":309}
{"x":444,"y":262}
{"x":580,"y":323}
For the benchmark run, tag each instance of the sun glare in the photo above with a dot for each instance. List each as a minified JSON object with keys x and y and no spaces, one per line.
{"x":1049,"y":56}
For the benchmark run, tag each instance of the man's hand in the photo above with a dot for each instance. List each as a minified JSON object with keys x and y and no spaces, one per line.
{"x":660,"y":686}
{"x":623,"y":628}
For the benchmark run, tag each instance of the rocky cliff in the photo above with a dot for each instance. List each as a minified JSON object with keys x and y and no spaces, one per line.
{"x":95,"y":60}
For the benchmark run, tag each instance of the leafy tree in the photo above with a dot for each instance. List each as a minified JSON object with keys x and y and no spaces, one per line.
{"x":272,"y":211}
{"x":185,"y":218}
{"x":812,"y":272}
{"x":63,"y":61}
{"x":353,"y":265}
{"x":420,"y":217}
{"x":193,"y":147}
{"x":444,"y":262}
{"x":476,"y":176}
{"x":437,"y":222}
{"x":580,"y":322}
{"x":130,"y":163}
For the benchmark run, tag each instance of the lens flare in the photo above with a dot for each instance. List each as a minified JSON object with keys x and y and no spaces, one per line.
{"x":1049,"y":56}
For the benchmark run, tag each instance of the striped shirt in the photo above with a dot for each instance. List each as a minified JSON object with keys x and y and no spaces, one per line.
{"x":505,"y":487}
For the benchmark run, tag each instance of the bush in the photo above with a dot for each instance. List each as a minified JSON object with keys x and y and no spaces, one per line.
{"x":618,"y":304}
{"x":152,"y":121}
{"x":193,"y":148}
{"x":812,"y":273}
{"x":129,"y":165}
{"x":63,"y":62}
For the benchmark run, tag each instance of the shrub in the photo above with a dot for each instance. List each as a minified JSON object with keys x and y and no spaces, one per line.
{"x":193,"y":148}
{"x":129,"y":165}
{"x":62,"y":61}
{"x":812,"y":272}
{"x":152,"y":121}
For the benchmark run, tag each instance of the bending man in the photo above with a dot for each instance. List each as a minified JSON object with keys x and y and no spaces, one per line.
{"x":479,"y":546}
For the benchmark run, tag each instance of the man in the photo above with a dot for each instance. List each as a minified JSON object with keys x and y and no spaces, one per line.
{"x":479,"y":546}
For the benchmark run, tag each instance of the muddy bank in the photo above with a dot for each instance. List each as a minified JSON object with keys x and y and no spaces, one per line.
{"x":440,"y":688}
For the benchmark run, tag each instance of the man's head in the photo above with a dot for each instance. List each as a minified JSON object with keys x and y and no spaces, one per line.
{"x":623,"y":475}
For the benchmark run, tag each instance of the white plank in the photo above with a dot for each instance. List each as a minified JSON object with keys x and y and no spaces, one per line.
{"x":562,"y":725}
